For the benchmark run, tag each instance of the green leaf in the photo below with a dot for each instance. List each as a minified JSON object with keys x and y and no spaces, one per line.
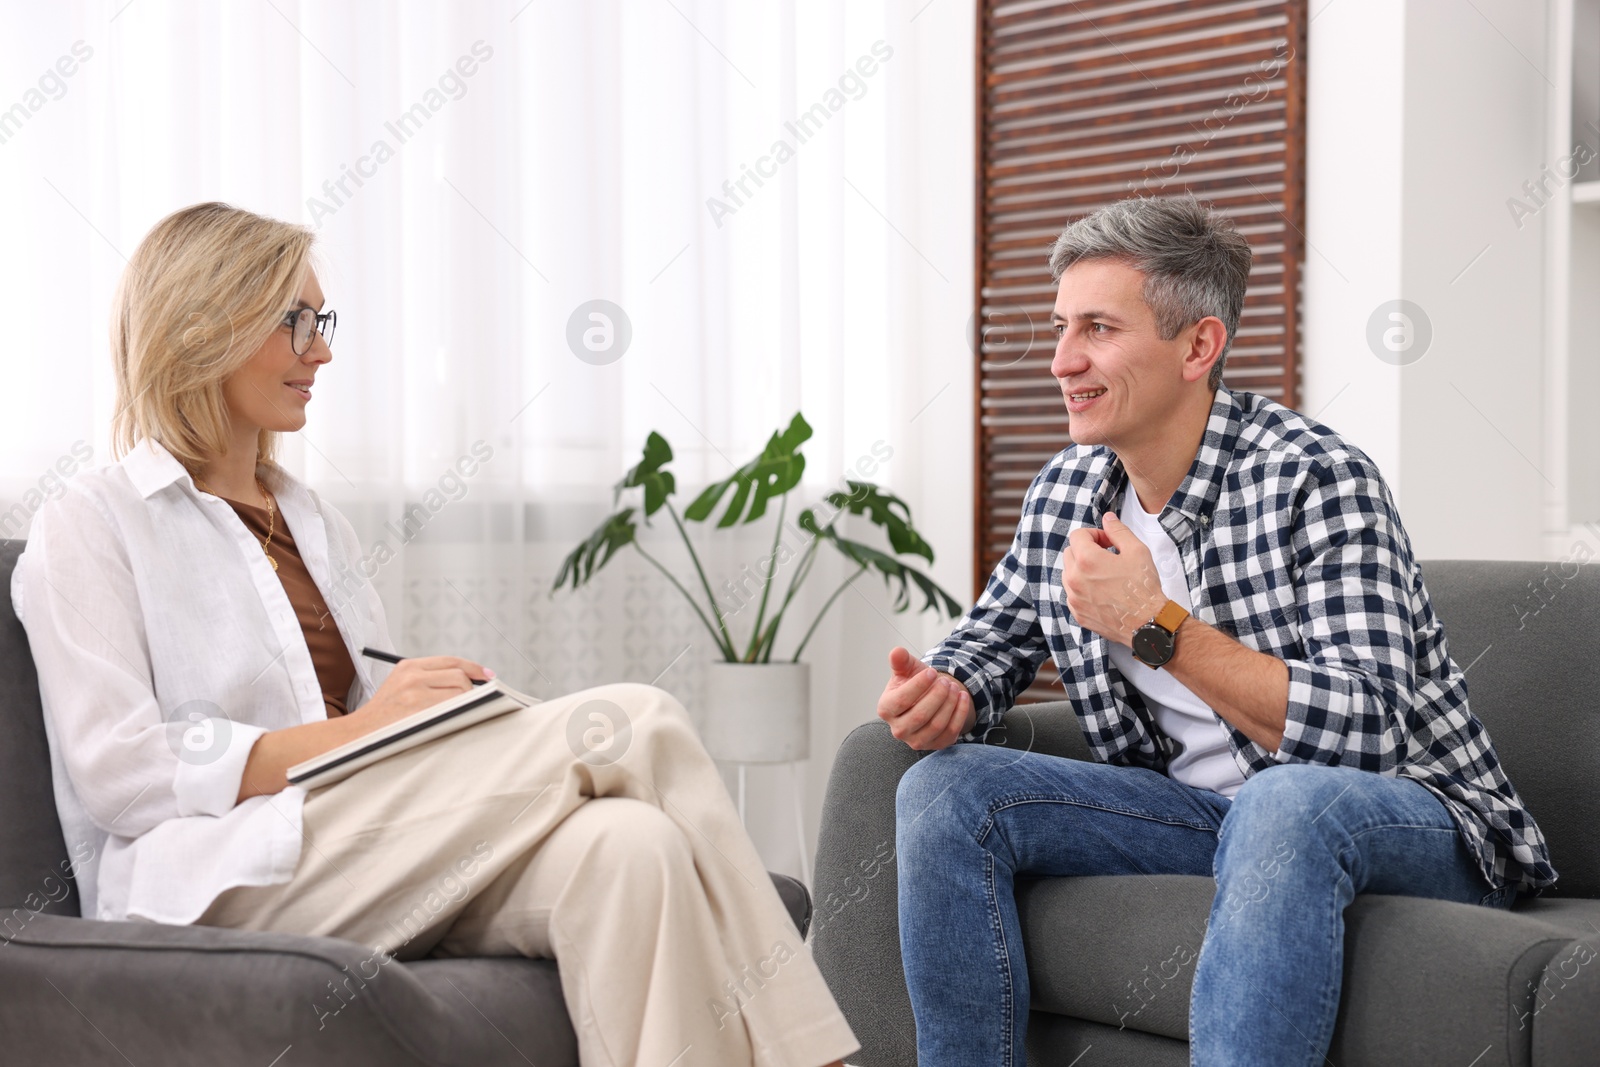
{"x":658,"y":484}
{"x":585,"y":561}
{"x":770,"y":475}
{"x":893,"y":571}
{"x":883,"y":509}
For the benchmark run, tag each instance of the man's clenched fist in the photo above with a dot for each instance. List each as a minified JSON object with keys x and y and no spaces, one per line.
{"x":925,"y":709}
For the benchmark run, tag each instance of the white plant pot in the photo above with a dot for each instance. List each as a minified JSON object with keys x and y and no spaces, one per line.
{"x":758,"y":712}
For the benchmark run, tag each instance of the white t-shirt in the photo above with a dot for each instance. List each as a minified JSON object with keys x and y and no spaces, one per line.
{"x":1204,"y":761}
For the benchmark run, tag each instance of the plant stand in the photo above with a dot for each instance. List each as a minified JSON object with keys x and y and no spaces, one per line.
{"x":798,"y":797}
{"x":761,"y":713}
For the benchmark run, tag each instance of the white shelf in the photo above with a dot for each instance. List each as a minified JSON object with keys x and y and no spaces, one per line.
{"x":1573,"y":316}
{"x":1586,"y":193}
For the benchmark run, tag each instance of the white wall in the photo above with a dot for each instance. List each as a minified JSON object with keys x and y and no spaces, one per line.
{"x":1354,"y":138}
{"x":1423,"y":119}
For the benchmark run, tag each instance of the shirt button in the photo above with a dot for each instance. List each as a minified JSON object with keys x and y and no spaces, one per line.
{"x":1205,"y":520}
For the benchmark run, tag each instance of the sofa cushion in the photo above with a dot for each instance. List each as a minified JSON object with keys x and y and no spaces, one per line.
{"x":1115,"y":950}
{"x":1060,"y":1041}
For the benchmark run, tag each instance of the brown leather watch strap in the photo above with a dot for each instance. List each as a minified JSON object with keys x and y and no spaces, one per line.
{"x":1171,"y":616}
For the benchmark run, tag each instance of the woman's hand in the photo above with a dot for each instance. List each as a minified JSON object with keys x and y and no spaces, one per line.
{"x":414,"y":684}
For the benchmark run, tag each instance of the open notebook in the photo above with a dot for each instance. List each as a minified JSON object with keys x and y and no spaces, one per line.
{"x":481,"y":702}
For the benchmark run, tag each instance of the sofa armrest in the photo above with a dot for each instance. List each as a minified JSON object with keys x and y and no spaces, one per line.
{"x":88,"y":993}
{"x":855,"y":933}
{"x":1565,"y":1004}
{"x":1051,"y":728}
{"x":796,"y":897}
{"x":855,"y":936}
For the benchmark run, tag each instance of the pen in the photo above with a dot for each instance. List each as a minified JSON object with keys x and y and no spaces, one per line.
{"x":390,"y":657}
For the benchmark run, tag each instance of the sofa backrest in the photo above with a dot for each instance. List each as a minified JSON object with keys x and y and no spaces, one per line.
{"x":1528,"y":636}
{"x":33,"y":853}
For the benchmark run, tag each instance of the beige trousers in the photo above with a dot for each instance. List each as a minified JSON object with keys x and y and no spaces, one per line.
{"x":592,"y":829}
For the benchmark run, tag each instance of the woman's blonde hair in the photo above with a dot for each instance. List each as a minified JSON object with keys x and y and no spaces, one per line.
{"x":203,"y":291}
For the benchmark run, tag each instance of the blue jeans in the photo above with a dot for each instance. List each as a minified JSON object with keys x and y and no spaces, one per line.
{"x":1289,"y":853}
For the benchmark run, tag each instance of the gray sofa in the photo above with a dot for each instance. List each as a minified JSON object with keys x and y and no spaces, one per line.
{"x":1426,"y":982}
{"x":81,"y":993}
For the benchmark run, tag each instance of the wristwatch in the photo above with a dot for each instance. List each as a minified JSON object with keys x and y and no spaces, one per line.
{"x":1155,"y":641}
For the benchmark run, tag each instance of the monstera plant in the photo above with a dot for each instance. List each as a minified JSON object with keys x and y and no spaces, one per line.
{"x":743,"y":498}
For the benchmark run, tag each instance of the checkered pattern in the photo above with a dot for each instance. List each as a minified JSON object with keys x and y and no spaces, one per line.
{"x":1294,"y":546}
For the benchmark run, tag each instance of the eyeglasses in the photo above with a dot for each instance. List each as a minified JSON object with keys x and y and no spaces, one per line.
{"x":303,"y":320}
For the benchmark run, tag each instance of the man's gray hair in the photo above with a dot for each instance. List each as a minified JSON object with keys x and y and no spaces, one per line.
{"x":1195,"y":263}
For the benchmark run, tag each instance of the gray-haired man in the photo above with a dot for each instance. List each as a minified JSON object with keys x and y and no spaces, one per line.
{"x":1234,"y":608}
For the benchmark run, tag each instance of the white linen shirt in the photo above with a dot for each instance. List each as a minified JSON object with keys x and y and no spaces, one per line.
{"x":165,"y":645}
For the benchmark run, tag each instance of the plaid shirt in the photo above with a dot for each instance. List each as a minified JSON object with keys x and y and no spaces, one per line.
{"x":1294,"y":547}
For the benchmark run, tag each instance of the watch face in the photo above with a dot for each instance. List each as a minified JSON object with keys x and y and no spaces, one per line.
{"x":1152,"y":645}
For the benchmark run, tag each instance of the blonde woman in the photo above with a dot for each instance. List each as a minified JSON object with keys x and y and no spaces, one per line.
{"x":191,"y":646}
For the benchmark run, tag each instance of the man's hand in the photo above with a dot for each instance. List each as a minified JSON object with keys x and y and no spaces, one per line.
{"x":924,"y":708}
{"x":1111,"y":593}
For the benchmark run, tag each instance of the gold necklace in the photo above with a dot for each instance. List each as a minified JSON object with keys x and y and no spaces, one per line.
{"x":270,"y":513}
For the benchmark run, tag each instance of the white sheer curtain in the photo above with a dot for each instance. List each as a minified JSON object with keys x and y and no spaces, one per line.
{"x":744,"y":181}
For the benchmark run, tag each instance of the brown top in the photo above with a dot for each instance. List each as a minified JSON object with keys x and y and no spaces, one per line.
{"x":335,"y":672}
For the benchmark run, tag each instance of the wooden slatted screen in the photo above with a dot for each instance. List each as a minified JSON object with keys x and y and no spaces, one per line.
{"x":1081,"y":104}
